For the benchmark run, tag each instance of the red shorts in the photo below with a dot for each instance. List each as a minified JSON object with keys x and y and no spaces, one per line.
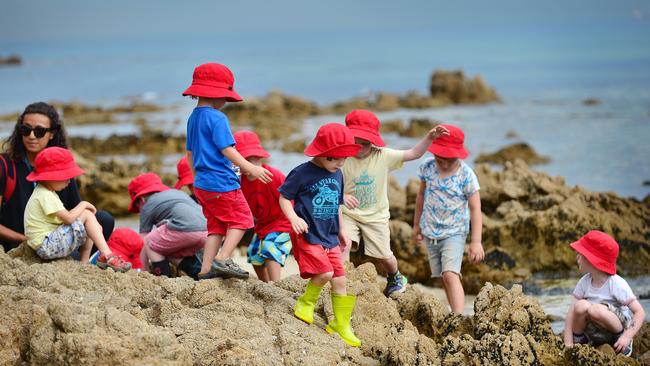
{"x":313,"y":259}
{"x":224,"y":210}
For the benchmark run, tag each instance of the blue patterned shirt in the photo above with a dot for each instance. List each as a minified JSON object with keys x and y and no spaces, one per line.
{"x":445,"y":211}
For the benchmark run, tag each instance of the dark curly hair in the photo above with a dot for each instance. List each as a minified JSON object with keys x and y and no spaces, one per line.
{"x":14,"y":144}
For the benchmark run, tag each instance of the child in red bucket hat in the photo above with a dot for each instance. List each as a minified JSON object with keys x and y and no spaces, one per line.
{"x":603,"y":300}
{"x":128,"y":244}
{"x":271,"y":243}
{"x":51,"y":230}
{"x":447,"y":202}
{"x":211,"y":154}
{"x":317,"y":187}
{"x":172,"y":224}
{"x":366,"y":210}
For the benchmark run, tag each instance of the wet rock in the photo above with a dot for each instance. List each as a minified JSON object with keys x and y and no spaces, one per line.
{"x":642,"y":341}
{"x":13,"y":60}
{"x":512,"y":134}
{"x":297,"y":146}
{"x":392,"y":126}
{"x":591,"y":101}
{"x":418,"y":127}
{"x":455,"y":88}
{"x":512,"y":152}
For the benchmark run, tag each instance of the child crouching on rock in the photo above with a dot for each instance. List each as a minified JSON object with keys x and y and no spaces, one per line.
{"x":51,"y":230}
{"x":316,"y":187}
{"x":603,"y":300}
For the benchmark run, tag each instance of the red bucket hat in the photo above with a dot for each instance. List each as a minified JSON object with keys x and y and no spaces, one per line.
{"x":54,"y":163}
{"x":450,"y":146}
{"x":128,"y":244}
{"x":333,"y":140}
{"x":143,"y":184}
{"x":599,"y":249}
{"x":213,"y":80}
{"x":364,"y":125}
{"x":185,"y":175}
{"x":248,"y":144}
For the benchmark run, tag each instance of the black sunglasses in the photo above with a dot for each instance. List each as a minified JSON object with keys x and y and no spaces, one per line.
{"x":39,"y":132}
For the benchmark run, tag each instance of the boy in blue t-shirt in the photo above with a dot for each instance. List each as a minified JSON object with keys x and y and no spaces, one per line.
{"x":211,"y":153}
{"x":316,"y":187}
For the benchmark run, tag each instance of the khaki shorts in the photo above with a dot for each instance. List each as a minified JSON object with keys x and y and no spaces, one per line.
{"x":376,"y":237}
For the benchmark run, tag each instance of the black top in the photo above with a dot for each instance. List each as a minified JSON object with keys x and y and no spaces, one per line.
{"x":13,"y":211}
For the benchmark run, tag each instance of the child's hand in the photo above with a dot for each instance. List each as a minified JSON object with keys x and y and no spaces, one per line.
{"x":299,"y":225}
{"x":344,"y":242}
{"x":476,"y":253}
{"x":622,"y":342}
{"x":437,"y":132}
{"x":260,"y":173}
{"x":417,"y":234}
{"x":350,"y":201}
{"x":89,"y":206}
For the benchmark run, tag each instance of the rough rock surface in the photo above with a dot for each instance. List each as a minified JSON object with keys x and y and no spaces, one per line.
{"x":63,"y":312}
{"x":453,"y":86}
{"x":513,"y":152}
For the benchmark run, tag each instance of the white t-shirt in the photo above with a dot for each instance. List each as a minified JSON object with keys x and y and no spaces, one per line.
{"x":615,"y":291}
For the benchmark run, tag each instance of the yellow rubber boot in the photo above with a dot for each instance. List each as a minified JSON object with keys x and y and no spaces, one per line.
{"x":343,"y":305}
{"x":304,"y":308}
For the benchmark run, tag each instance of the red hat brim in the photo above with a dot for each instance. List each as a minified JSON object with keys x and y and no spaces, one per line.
{"x":212,"y":92}
{"x":184,"y":181}
{"x":59,"y":175}
{"x":601,"y":264}
{"x":374,"y":138}
{"x":157,"y":187}
{"x":448,"y":151}
{"x":337,"y":152}
{"x":253,"y":151}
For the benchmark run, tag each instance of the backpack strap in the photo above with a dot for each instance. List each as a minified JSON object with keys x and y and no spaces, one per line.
{"x":9,"y":167}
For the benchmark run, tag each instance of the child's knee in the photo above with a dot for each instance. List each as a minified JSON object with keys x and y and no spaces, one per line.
{"x":581,"y":307}
{"x":323,"y":277}
{"x":597,"y":311}
{"x":449,"y":277}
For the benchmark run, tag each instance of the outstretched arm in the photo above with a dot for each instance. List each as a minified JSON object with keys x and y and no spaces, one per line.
{"x":418,"y":150}
{"x":254,"y":171}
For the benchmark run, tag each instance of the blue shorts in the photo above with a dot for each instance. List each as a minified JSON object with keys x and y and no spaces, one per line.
{"x":446,"y":255}
{"x":275,"y":246}
{"x":64,"y":240}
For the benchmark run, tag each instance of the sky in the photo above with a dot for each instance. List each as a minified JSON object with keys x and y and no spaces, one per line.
{"x":47,"y":20}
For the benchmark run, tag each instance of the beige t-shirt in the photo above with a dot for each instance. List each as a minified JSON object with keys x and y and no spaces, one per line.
{"x":40,"y":215}
{"x":367,"y":180}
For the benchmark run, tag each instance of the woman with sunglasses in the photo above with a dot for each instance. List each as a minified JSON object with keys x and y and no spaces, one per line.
{"x":38,"y":127}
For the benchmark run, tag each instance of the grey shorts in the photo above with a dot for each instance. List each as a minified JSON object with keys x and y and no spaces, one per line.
{"x":446,"y":255}
{"x":599,"y":336}
{"x":64,"y":240}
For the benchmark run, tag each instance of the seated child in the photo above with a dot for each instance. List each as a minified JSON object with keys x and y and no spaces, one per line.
{"x":128,"y":244}
{"x":316,"y":187}
{"x":171,"y":222}
{"x":447,"y":202}
{"x":366,"y":210}
{"x":600,"y":312}
{"x":271,"y":244}
{"x":51,"y":230}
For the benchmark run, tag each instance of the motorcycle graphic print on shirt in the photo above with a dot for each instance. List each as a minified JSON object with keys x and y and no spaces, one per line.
{"x":325,"y":199}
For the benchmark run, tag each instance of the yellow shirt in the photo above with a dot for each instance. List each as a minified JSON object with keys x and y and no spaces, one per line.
{"x":40,"y":215}
{"x":367,"y":180}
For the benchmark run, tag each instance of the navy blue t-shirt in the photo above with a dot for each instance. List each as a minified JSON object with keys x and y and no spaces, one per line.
{"x":208,"y":133}
{"x":316,"y":195}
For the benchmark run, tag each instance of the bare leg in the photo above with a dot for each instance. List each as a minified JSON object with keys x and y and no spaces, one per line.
{"x":454,"y":290}
{"x":153,"y":256}
{"x":261,"y":273}
{"x":580,"y":311}
{"x":233,"y":236}
{"x":389,"y":264}
{"x":273,"y":269}
{"x":321,"y":278}
{"x":338,"y":285}
{"x":599,"y":314}
{"x":210,"y":250}
{"x":144,"y":258}
{"x":84,"y":251}
{"x":95,"y":232}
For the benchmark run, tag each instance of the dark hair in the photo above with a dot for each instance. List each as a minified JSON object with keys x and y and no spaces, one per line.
{"x":14,"y":144}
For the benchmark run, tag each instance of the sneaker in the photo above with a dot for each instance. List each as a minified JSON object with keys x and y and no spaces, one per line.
{"x":113,"y":261}
{"x":207,"y":276}
{"x":199,"y":256}
{"x":227,"y":269}
{"x":628,"y":350}
{"x":396,"y":284}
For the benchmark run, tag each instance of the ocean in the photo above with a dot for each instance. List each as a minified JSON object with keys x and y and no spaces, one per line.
{"x":543,"y":75}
